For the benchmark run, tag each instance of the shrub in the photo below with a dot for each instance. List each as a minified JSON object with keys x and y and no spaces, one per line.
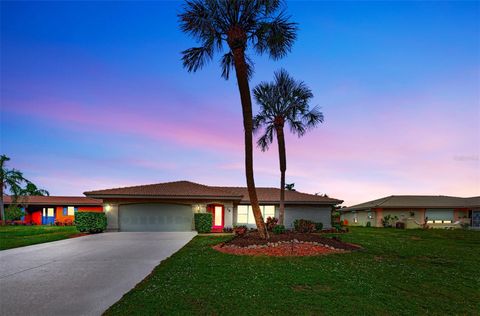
{"x":318,"y":226}
{"x":368,"y":224}
{"x":240,"y":230}
{"x":279,"y":229}
{"x":388,"y":220}
{"x":271,"y":223}
{"x":203,"y":222}
{"x":13,"y":213}
{"x":68,"y":222}
{"x":337,"y":226}
{"x":304,"y":226}
{"x":91,"y":222}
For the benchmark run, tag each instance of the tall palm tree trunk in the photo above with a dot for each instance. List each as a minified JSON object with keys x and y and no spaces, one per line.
{"x":283,"y":168}
{"x":243,"y":86}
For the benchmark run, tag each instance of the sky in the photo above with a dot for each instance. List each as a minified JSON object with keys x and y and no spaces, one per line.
{"x":94,"y":95}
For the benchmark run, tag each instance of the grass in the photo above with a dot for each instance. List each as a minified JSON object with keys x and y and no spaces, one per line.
{"x":400,"y":272}
{"x":19,"y":236}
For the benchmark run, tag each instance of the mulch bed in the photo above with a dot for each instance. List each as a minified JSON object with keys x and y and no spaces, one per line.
{"x":288,"y":244}
{"x":78,"y":235}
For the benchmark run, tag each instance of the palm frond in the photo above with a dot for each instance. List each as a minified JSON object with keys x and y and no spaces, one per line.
{"x":196,"y":57}
{"x":313,"y":117}
{"x":267,"y":138}
{"x":276,"y":36}
{"x":227,"y":64}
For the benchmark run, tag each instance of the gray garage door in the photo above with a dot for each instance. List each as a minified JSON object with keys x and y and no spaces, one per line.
{"x":155,"y":217}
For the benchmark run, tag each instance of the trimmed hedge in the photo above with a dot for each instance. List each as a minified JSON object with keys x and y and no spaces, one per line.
{"x":90,"y":222}
{"x":203,"y":222}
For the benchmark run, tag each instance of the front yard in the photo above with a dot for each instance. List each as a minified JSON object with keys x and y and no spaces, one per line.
{"x":19,"y":236}
{"x":399,"y":272}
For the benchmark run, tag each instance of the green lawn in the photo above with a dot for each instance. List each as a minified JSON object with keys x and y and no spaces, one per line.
{"x":19,"y":236}
{"x":399,"y":272}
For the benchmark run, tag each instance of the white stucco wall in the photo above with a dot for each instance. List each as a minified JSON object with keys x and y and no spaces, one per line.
{"x":316,"y":214}
{"x":111,"y":211}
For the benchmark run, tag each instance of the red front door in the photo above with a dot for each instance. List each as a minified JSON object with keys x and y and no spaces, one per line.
{"x":218,"y":214}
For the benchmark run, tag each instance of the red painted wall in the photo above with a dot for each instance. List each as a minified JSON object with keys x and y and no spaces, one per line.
{"x":35,"y":216}
{"x":98,"y":209}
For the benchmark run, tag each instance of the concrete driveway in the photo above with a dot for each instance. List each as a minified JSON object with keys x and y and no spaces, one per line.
{"x":80,"y":276}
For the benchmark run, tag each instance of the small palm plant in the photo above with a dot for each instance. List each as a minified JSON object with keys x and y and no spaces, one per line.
{"x":284,"y":101}
{"x":240,"y":24}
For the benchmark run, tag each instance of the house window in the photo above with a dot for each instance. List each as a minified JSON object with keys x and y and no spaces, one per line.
{"x":70,"y":211}
{"x":245,"y":213}
{"x":242,"y":214}
{"x":268,"y":211}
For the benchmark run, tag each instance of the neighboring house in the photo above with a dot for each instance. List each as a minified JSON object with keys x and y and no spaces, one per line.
{"x":415,"y":211}
{"x":45,"y":210}
{"x":170,"y":206}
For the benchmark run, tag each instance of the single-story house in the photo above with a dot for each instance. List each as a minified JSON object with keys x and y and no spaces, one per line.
{"x":46,"y":210}
{"x":436,"y":211}
{"x":170,"y":206}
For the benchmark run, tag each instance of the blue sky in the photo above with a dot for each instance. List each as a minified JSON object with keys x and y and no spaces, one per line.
{"x":93,"y":95}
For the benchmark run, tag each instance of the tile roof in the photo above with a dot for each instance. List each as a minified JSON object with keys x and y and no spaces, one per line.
{"x":187,"y":189}
{"x":417,"y":201}
{"x":183,"y":189}
{"x":55,"y":200}
{"x":273,"y":195}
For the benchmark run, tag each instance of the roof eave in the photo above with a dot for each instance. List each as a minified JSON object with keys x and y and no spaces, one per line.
{"x":161,"y":197}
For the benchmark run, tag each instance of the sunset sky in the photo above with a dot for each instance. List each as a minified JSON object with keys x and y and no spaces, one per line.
{"x":94,"y":95}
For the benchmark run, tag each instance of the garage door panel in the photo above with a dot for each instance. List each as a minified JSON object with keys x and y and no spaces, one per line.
{"x":156,"y":217}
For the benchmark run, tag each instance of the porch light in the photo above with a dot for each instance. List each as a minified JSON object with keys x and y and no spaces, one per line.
{"x":108,"y":207}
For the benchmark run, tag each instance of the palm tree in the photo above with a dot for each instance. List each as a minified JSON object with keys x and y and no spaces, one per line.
{"x":30,"y":189}
{"x":238,"y":23}
{"x":284,"y":101}
{"x":11,"y":179}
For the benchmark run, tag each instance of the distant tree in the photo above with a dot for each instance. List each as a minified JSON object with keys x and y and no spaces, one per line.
{"x":29,"y":190}
{"x":284,"y":101}
{"x":20,"y":188}
{"x":11,"y":180}
{"x":240,"y":24}
{"x":290,"y":187}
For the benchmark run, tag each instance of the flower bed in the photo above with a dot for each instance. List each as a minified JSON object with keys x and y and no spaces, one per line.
{"x":288,"y":244}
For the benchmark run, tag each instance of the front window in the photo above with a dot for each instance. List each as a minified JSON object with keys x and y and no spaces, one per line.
{"x":245,"y":213}
{"x":70,"y":211}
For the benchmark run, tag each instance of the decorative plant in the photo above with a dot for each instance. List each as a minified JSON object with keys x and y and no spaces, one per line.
{"x":228,"y":229}
{"x":203,"y":222}
{"x":271,"y":223}
{"x":368,"y":224}
{"x":304,"y":226}
{"x":318,"y":226}
{"x":279,"y":229}
{"x":13,"y":213}
{"x":91,"y":222}
{"x":388,"y":220}
{"x":240,"y":230}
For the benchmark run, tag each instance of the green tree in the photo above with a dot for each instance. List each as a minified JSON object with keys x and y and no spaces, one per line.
{"x":241,"y":24}
{"x":30,"y":189}
{"x":12,"y":180}
{"x":284,"y":101}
